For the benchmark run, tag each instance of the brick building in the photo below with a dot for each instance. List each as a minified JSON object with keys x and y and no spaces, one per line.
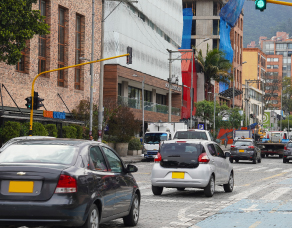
{"x":69,"y":39}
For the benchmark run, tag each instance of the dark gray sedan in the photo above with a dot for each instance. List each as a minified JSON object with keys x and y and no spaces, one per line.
{"x":287,"y":152}
{"x":245,"y":149}
{"x":63,"y":182}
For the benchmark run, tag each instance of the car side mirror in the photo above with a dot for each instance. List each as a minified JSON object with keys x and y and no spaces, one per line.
{"x":131,"y":169}
{"x":227,"y":154}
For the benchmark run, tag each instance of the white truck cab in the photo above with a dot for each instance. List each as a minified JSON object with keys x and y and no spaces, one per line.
{"x":193,"y":134}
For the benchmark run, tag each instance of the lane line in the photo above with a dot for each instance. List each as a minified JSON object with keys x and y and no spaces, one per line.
{"x":255,"y":224}
{"x":276,"y":194}
{"x":257,"y":169}
{"x":272,"y":170}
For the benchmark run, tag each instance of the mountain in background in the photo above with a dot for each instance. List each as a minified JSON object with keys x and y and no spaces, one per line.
{"x":275,"y":18}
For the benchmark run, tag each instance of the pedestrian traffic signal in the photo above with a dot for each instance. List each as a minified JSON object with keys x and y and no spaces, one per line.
{"x":129,"y":57}
{"x":260,"y":4}
{"x":28,"y":102}
{"x":37,"y":101}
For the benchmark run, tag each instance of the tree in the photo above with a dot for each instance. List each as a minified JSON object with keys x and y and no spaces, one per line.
{"x":272,"y":86}
{"x":19,"y":23}
{"x":214,"y":66}
{"x":287,"y":93}
{"x":235,"y":118}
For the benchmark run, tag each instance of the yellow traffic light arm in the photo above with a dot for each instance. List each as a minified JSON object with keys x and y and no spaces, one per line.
{"x":58,"y":69}
{"x":279,"y":2}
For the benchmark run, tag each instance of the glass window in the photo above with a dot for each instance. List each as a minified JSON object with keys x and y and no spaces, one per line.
{"x":61,"y":46}
{"x":33,"y":153}
{"x":115,"y":163}
{"x":212,"y":150}
{"x":190,"y":135}
{"x":96,"y":161}
{"x":243,"y":143}
{"x":20,"y":66}
{"x":155,"y":138}
{"x":269,"y":59}
{"x":219,"y":151}
{"x":77,"y":52}
{"x":276,"y":66}
{"x":42,"y":41}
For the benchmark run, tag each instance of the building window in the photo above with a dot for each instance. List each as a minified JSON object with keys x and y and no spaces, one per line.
{"x":20,"y":66}
{"x":42,"y":42}
{"x":215,"y":27}
{"x":147,"y":96}
{"x":77,"y":52}
{"x":160,"y":99}
{"x":194,"y":27}
{"x":61,"y":46}
{"x":119,"y":89}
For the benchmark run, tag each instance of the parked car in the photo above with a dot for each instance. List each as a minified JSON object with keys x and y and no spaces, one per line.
{"x":66,"y":182}
{"x":193,"y":134}
{"x":245,"y":149}
{"x":287,"y":152}
{"x":191,"y":164}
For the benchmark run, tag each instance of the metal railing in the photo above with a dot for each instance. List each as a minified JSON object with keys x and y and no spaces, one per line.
{"x":148,"y":106}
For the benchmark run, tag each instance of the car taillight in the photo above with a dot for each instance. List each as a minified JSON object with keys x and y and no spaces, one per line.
{"x":203,"y":158}
{"x":232,"y":146}
{"x":66,"y":184}
{"x":157,"y":158}
{"x":285,"y":148}
{"x":181,"y":141}
{"x":251,"y":147}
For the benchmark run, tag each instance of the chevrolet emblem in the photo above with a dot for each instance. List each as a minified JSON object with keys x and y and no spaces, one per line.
{"x":21,"y":173}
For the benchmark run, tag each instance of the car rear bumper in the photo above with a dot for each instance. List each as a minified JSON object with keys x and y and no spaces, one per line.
{"x":150,"y":154}
{"x":193,"y":178}
{"x":58,"y":211}
{"x":242,"y":156}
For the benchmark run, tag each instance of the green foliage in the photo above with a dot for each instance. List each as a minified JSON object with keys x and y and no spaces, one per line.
{"x":19,"y":23}
{"x":82,"y":113}
{"x":39,"y":129}
{"x":52,"y":130}
{"x":10,"y":130}
{"x":69,"y":132}
{"x":134,"y":144}
{"x":79,"y":132}
{"x":24,"y":130}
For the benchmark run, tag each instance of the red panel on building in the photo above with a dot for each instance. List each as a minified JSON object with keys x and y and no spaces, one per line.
{"x":186,"y":67}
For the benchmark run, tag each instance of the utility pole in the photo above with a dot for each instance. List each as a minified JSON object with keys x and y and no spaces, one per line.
{"x":192,"y":93}
{"x":169,"y":89}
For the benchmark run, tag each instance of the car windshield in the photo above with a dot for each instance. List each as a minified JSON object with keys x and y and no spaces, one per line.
{"x":180,"y":148}
{"x":276,"y":134}
{"x":190,"y":135}
{"x":243,"y":143}
{"x":31,"y":153}
{"x":155,"y":138}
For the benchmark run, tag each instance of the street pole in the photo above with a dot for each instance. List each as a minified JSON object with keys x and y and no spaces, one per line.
{"x":169,"y":91}
{"x":91,"y":71}
{"x":281,"y":109}
{"x":143,"y":110}
{"x":288,"y":124}
{"x":214,"y":113}
{"x":246,"y":103}
{"x":263,"y":103}
{"x":233,"y":88}
{"x":192,"y":94}
{"x":100,"y":106}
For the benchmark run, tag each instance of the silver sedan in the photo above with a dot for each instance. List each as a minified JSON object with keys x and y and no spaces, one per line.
{"x":191,"y":164}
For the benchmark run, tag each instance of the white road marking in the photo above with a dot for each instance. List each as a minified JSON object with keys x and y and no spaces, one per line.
{"x":287,"y":170}
{"x":276,"y":194}
{"x":257,"y":169}
{"x":255,"y":224}
{"x":252,"y":208}
{"x":183,"y":220}
{"x":244,"y":168}
{"x":272,"y":170}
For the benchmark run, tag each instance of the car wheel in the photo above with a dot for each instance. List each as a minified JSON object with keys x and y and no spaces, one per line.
{"x":259,"y":160}
{"x":280,"y":155}
{"x":229,"y":186}
{"x":180,"y":189}
{"x":237,"y":160}
{"x":263,"y":155}
{"x":254,"y":161}
{"x":157,"y":190}
{"x":93,"y":218}
{"x":284,"y":160}
{"x":210,"y":188}
{"x":231,"y":160}
{"x":133,"y":217}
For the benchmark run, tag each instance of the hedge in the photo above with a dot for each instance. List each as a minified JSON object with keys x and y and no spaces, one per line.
{"x":69,"y":132}
{"x":134,"y":144}
{"x":10,"y":130}
{"x":52,"y":130}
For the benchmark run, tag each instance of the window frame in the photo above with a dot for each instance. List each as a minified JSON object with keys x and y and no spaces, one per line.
{"x":22,"y":61}
{"x":77,"y":84}
{"x":104,"y":157}
{"x":109,"y":165}
{"x":44,"y":39}
{"x":61,"y":81}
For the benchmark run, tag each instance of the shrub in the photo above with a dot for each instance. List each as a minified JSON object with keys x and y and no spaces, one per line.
{"x":52,"y":130}
{"x":69,"y":132}
{"x":10,"y":130}
{"x":134,"y":144}
{"x":39,"y":129}
{"x":79,"y":131}
{"x":24,"y":129}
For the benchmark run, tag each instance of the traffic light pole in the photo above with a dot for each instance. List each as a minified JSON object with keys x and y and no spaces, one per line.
{"x":58,"y":69}
{"x":279,"y":2}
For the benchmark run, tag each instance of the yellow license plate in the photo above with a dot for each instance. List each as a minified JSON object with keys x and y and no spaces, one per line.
{"x":177,"y":175}
{"x":241,"y":150}
{"x":21,"y":187}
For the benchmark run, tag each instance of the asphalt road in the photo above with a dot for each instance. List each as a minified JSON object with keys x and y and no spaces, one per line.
{"x":262,"y":198}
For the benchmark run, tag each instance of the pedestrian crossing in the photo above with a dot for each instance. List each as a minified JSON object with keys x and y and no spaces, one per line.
{"x":265,"y":169}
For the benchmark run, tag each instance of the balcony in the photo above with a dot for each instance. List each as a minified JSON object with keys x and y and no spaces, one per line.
{"x":148,"y":106}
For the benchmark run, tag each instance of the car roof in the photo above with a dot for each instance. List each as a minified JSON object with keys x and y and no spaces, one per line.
{"x":197,"y":130}
{"x":245,"y":140}
{"x":195,"y":141}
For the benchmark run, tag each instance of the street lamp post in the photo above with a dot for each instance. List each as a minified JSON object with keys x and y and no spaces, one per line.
{"x":134,"y":75}
{"x":233,"y":93}
{"x":214,"y":118}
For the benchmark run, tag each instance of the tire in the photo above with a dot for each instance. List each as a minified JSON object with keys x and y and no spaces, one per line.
{"x":92,"y":220}
{"x":210,"y":188}
{"x":284,"y":160}
{"x":157,"y":190}
{"x":133,"y":217}
{"x":236,"y":160}
{"x":263,"y":155}
{"x":280,"y":155}
{"x":231,"y":160}
{"x":230,"y":185}
{"x":254,"y":161}
{"x":180,"y":189}
{"x":259,"y":160}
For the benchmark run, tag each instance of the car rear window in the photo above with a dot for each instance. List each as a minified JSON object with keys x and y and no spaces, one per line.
{"x":276,"y":134}
{"x":180,"y":155}
{"x":54,"y":154}
{"x":289,"y":145}
{"x":190,"y":135}
{"x":243,"y":143}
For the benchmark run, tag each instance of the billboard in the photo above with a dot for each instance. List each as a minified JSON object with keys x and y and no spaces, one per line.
{"x":267,"y":120}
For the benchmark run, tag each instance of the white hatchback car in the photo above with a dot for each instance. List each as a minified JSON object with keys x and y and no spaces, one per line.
{"x":191,"y":164}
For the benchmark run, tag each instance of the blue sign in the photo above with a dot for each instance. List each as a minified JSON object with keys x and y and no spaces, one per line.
{"x":59,"y":115}
{"x":201,"y":126}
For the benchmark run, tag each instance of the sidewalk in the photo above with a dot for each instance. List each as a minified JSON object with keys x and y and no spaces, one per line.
{"x":139,"y":158}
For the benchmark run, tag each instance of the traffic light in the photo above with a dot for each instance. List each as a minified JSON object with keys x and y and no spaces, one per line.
{"x":129,"y":57}
{"x":260,"y":5}
{"x":28,"y":102}
{"x":37,"y":101}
